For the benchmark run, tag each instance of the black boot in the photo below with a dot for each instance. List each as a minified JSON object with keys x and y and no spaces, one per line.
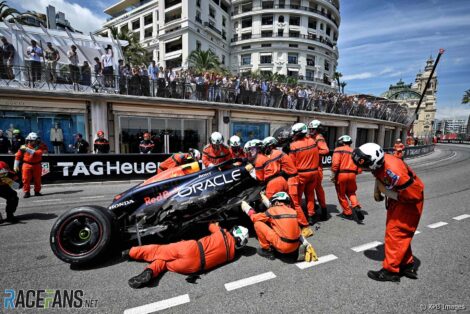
{"x":409,"y":271}
{"x":348,"y":217}
{"x":269,"y":254}
{"x":359,"y":214}
{"x":383,"y":275}
{"x":38,"y":194}
{"x":11,"y":218}
{"x":27,"y":195}
{"x":324,"y":214}
{"x":142,"y":279}
{"x":312,"y":220}
{"x":125,"y":255}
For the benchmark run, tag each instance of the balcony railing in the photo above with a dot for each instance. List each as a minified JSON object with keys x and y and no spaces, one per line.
{"x":198,"y":19}
{"x":293,"y":7}
{"x":190,"y":87}
{"x":207,"y":24}
{"x":296,"y":36}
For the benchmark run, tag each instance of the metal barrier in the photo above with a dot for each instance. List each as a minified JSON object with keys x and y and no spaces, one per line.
{"x":117,"y":167}
{"x":454,"y":142}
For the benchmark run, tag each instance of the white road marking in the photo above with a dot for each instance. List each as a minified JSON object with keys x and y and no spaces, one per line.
{"x":249,"y":281}
{"x":50,"y":200}
{"x":158,"y":306}
{"x":437,"y":225}
{"x":321,"y":260}
{"x":91,"y":197}
{"x":461,"y":217}
{"x":366,"y":246}
{"x":417,"y":232}
{"x":441,"y":160}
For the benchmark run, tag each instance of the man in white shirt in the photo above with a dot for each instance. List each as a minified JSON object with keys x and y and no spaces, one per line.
{"x":107,"y":62}
{"x":73,"y":66}
{"x":34,"y":53}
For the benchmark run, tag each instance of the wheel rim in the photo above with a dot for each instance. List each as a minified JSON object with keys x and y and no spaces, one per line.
{"x":80,"y":235}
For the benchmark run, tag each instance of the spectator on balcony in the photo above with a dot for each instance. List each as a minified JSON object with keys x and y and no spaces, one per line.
{"x":72,"y":54}
{"x":135,"y":83}
{"x":52,"y":56}
{"x":122,"y":69}
{"x":153,"y":71}
{"x":86,"y":74}
{"x":107,"y":65}
{"x":98,"y":74}
{"x":144,"y":76}
{"x":8,"y":56}
{"x":301,"y":97}
{"x":34,"y":54}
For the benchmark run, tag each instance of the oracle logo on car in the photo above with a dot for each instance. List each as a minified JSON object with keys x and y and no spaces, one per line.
{"x":99,"y":168}
{"x":211,"y":183}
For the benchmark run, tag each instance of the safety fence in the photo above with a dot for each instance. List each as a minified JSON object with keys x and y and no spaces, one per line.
{"x":119,"y":167}
{"x":454,"y":142}
{"x":186,"y":86}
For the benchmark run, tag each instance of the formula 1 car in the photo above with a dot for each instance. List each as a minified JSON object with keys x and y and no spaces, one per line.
{"x":163,"y":206}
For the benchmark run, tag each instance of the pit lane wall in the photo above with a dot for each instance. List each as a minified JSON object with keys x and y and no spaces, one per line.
{"x":116,"y":167}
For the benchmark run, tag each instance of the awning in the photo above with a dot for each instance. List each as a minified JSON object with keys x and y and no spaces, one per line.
{"x":266,"y":54}
{"x":293,"y":69}
{"x":171,"y":56}
{"x":172,"y":39}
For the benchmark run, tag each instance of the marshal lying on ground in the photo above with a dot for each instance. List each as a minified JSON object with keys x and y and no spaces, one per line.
{"x":163,"y":206}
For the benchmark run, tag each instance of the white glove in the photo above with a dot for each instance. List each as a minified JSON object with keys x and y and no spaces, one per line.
{"x":388,"y":193}
{"x":249,"y":167}
{"x":245,"y":207}
{"x":265,"y":200}
{"x":210,"y":165}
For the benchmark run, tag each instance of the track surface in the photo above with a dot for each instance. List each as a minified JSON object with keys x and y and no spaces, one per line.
{"x":338,"y":285}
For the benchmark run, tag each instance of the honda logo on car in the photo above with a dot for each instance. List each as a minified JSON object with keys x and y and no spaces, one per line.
{"x":99,"y":168}
{"x":219,"y":180}
{"x":125,"y":203}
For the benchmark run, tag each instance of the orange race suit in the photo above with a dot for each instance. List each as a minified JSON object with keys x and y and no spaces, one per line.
{"x":239,"y":153}
{"x":323,"y":150}
{"x":31,"y":156}
{"x":403,"y":214}
{"x":7,"y":182}
{"x":175,"y":160}
{"x":345,"y":172}
{"x":277,"y":227}
{"x":305,"y":155}
{"x":213,"y":157}
{"x":398,"y":150}
{"x":269,"y":171}
{"x":188,"y":257}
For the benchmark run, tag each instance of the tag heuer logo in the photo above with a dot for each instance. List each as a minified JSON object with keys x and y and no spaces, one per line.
{"x":45,"y":168}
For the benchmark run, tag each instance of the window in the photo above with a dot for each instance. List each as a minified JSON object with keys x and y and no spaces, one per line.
{"x":312,"y":23}
{"x":280,"y":32}
{"x":295,"y":4}
{"x":124,"y":29}
{"x":321,"y":26}
{"x":267,"y":34}
{"x":246,"y":59}
{"x":282,"y":4}
{"x":198,"y":3}
{"x":267,"y":20}
{"x":223,"y":59}
{"x":246,"y":47}
{"x":246,"y":36}
{"x":293,"y":46}
{"x":148,"y":32}
{"x":280,"y":19}
{"x":148,"y":19}
{"x":292,"y":58}
{"x":198,"y":45}
{"x":265,"y":45}
{"x":173,"y":46}
{"x":224,"y":21}
{"x":246,"y":22}
{"x":198,"y":17}
{"x":328,"y":30}
{"x":311,"y":48}
{"x":309,"y":75}
{"x":136,"y":24}
{"x":327,"y":65}
{"x":294,"y":20}
{"x":265,"y":58}
{"x":211,"y":12}
{"x":247,"y":7}
{"x":310,"y":60}
{"x":224,"y":34}
{"x":294,"y":34}
{"x":267,"y":4}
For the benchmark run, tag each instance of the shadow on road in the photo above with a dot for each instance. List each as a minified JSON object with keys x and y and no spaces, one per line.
{"x":32,"y":216}
{"x":63,"y":192}
{"x":378,"y":254}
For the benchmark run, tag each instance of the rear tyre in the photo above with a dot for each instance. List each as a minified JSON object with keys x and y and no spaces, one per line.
{"x":82,"y":235}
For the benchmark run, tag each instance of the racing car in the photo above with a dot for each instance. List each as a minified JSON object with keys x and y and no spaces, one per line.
{"x":164,"y":207}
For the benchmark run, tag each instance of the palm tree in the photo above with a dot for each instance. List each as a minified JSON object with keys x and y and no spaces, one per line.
{"x":202,"y":61}
{"x":466,"y":97}
{"x":6,"y":12}
{"x":343,"y":85}
{"x":134,"y":53}
{"x":337,"y":76}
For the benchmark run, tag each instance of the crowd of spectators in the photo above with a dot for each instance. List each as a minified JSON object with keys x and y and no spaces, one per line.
{"x":152,"y":80}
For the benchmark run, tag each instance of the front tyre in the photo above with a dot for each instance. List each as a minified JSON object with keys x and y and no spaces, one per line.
{"x":82,"y":234}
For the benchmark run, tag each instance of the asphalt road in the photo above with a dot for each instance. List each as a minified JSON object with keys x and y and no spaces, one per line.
{"x":337,"y":285}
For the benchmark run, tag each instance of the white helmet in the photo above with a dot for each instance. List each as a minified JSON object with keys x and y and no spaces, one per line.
{"x":398,"y":140}
{"x":252,"y":144}
{"x":369,"y":155}
{"x":234,"y":141}
{"x":195,"y":153}
{"x":216,"y":138}
{"x":314,"y":124}
{"x":299,"y":129}
{"x":240,"y":234}
{"x":32,"y":137}
{"x":345,"y":139}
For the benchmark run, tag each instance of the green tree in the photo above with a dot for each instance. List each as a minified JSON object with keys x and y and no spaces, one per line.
{"x":202,"y":61}
{"x":466,"y":97}
{"x":343,"y":85}
{"x":337,"y":76}
{"x":6,"y":12}
{"x":134,"y":53}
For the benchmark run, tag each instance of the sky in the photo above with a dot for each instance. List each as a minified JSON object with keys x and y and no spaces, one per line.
{"x":380,"y":41}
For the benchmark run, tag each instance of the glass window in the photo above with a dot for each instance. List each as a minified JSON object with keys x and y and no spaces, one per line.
{"x":136,"y":24}
{"x":267,"y":34}
{"x":267,"y":4}
{"x":294,"y":20}
{"x":224,"y":21}
{"x":327,"y":65}
{"x":266,"y":59}
{"x":211,"y":12}
{"x":124,"y":28}
{"x":246,"y":59}
{"x":312,"y":23}
{"x":198,"y":45}
{"x":132,"y":131}
{"x":310,"y":60}
{"x":148,"y":32}
{"x":293,"y":46}
{"x":246,"y":22}
{"x":198,"y":3}
{"x":248,"y":131}
{"x":265,"y":45}
{"x":292,"y":58}
{"x":148,"y":19}
{"x":280,"y":18}
{"x":267,"y":20}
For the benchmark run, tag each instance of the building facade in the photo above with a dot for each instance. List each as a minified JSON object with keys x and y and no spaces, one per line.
{"x":409,"y":95}
{"x":296,"y":38}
